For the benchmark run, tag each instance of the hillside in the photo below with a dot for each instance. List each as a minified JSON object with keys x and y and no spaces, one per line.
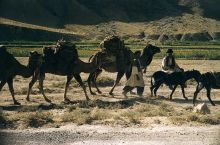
{"x":97,"y":18}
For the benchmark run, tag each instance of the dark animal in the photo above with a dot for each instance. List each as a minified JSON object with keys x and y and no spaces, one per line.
{"x":208,"y":81}
{"x":62,"y":60}
{"x":125,"y":66}
{"x":10,"y":67}
{"x":173,"y":79}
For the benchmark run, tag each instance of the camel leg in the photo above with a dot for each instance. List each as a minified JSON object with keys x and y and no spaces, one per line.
{"x":2,"y":85}
{"x":94,"y":80}
{"x":208,"y":95}
{"x":41,"y":85}
{"x":119,"y":76}
{"x":69,"y":78}
{"x":79,"y":80}
{"x":10,"y":85}
{"x":145,"y":70}
{"x":34,"y":79}
{"x":198,"y":89}
{"x":90,"y":78}
{"x":183,"y":91}
{"x":173,"y":92}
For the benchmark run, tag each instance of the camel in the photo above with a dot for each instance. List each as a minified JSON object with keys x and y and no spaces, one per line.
{"x":59,"y":66}
{"x":10,"y":67}
{"x":121,"y":67}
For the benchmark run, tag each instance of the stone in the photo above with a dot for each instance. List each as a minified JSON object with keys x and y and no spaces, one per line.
{"x":201,"y":108}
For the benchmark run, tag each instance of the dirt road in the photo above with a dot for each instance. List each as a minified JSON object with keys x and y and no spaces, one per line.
{"x":99,"y":135}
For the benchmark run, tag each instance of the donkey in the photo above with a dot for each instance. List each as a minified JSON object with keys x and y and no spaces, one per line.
{"x":173,"y":79}
{"x":209,"y":81}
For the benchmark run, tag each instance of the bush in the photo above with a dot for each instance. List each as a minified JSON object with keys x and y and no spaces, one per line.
{"x":3,"y":120}
{"x":105,"y":81}
{"x":204,"y":119}
{"x":37,"y":119}
{"x":78,"y":116}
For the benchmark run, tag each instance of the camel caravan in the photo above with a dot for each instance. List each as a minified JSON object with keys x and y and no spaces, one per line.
{"x":63,"y":59}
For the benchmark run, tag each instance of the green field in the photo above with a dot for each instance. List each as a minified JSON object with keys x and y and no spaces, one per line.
{"x":185,"y":50}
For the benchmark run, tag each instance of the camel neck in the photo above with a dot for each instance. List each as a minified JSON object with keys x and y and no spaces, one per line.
{"x":145,"y":60}
{"x":86,"y":67}
{"x":23,"y":70}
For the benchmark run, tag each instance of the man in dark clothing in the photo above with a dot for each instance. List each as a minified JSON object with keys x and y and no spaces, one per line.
{"x":169,"y":64}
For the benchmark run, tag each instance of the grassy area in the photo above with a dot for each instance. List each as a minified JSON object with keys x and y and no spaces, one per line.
{"x":182,"y":50}
{"x":126,"y":113}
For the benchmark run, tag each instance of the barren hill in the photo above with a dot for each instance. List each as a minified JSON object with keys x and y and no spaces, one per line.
{"x":97,"y":18}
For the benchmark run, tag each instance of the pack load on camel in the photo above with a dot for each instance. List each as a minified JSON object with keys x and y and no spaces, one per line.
{"x":61,"y":54}
{"x":113,"y":50}
{"x":112,"y":44}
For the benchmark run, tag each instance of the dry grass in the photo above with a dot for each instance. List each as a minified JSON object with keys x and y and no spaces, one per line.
{"x":37,"y":119}
{"x":195,"y":118}
{"x":78,"y":116}
{"x":3,"y":119}
{"x":105,"y":81}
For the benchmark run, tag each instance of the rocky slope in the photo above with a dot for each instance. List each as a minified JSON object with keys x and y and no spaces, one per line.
{"x":161,"y":20}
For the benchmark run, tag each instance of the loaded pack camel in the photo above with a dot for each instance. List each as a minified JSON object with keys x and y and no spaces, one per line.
{"x":63,"y":60}
{"x":10,"y":67}
{"x":208,"y":80}
{"x":121,"y":67}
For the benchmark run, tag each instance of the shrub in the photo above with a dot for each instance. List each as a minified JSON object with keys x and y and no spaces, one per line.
{"x":79,"y":116}
{"x":3,"y":120}
{"x":37,"y":119}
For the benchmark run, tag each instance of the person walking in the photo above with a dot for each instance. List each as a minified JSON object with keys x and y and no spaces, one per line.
{"x":136,"y":79}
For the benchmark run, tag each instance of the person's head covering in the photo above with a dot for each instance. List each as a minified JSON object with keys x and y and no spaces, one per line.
{"x":169,"y":50}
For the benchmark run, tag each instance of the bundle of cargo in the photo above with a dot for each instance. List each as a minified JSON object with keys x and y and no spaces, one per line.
{"x":112,"y":44}
{"x":63,"y":55}
{"x":114,"y":51}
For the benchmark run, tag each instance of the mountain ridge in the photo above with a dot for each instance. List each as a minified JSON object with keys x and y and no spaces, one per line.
{"x":98,"y":18}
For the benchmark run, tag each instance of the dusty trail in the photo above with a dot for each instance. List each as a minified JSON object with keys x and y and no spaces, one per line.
{"x":90,"y":134}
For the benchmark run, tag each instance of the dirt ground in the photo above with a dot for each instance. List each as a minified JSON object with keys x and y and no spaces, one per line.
{"x":105,"y":135}
{"x":150,"y":132}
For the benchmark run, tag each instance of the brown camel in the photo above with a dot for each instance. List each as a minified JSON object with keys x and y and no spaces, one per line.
{"x":122,"y":66}
{"x":10,"y":67}
{"x":58,"y":65}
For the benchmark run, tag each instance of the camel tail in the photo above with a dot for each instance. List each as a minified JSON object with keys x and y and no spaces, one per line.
{"x":90,"y":57}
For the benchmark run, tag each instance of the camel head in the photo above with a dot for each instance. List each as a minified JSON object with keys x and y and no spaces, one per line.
{"x":151,"y":49}
{"x":35,"y":60}
{"x":147,"y":54}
